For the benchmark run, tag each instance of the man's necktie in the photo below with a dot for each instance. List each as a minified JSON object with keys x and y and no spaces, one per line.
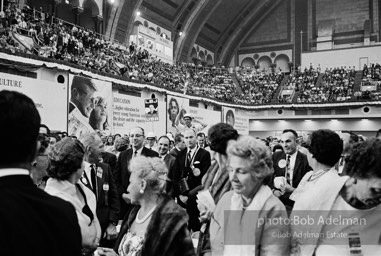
{"x":135,"y":153}
{"x":288,"y":178}
{"x":189,"y":158}
{"x":93,"y":176}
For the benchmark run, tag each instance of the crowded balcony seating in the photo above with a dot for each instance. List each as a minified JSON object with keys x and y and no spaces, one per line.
{"x":258,"y":87}
{"x":370,"y":83}
{"x":61,"y":41}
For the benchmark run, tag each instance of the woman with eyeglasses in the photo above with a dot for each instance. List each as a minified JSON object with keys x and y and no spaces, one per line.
{"x":98,"y":116}
{"x":156,"y":226}
{"x":65,"y":169}
{"x":40,"y":163}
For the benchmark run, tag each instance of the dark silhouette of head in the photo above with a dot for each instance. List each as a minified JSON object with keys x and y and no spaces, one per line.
{"x":20,"y":124}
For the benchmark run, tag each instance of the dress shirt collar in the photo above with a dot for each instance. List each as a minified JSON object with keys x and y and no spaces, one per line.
{"x":138,"y":152}
{"x":13,"y":171}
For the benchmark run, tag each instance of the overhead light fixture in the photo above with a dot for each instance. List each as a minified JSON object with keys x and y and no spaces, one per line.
{"x":138,"y":13}
{"x":180,"y":33}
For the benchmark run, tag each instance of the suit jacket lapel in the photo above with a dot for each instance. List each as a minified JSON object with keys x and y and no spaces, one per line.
{"x":86,"y":180}
{"x":99,"y":182}
{"x":296,"y":174}
{"x":166,"y":160}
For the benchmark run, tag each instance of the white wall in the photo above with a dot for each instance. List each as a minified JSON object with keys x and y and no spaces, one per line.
{"x":264,"y":128}
{"x":342,"y":57}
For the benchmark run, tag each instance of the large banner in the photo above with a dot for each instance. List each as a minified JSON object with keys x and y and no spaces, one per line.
{"x":236,"y":118}
{"x":90,"y":106}
{"x":130,"y":111}
{"x":49,"y":97}
{"x":205,"y":116}
{"x":178,"y":107}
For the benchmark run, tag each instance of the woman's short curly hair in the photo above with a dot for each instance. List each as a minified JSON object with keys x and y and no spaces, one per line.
{"x":152,"y":170}
{"x":364,"y":160}
{"x":257,"y":153}
{"x":326,"y":146}
{"x":65,"y":158}
{"x":219,"y":136}
{"x":121,"y":143}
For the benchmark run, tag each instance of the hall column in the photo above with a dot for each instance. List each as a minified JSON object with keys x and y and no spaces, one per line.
{"x":77,"y":11}
{"x":98,"y":22}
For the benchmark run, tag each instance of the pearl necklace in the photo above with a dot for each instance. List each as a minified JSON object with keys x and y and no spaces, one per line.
{"x":142,"y":220}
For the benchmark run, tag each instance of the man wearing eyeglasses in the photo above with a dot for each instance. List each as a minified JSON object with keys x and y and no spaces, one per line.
{"x":40,"y":164}
{"x":82,"y":92}
{"x":121,"y":174}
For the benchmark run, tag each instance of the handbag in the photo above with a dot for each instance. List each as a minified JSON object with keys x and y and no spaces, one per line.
{"x":183,"y":186}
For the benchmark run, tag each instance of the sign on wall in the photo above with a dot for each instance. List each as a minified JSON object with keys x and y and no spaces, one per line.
{"x":151,"y":109}
{"x":90,"y":106}
{"x":130,"y":111}
{"x":236,"y":118}
{"x":203,"y":119}
{"x":49,"y":97}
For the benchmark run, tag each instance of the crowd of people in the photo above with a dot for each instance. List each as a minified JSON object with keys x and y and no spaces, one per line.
{"x":371,"y":76}
{"x":72,"y":44}
{"x":258,"y":87}
{"x":189,"y":193}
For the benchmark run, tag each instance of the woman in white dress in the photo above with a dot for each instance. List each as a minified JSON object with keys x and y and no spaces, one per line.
{"x":65,"y":169}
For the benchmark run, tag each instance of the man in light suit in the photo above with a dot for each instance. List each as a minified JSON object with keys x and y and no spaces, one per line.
{"x":121,"y":173}
{"x":163,"y":147}
{"x":191,"y":165}
{"x":291,"y":165}
{"x":98,"y":178}
{"x":32,"y":222}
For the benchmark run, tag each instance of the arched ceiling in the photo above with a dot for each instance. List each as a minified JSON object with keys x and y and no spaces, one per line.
{"x":217,"y":25}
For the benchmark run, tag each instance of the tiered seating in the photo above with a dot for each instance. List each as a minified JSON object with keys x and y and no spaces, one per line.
{"x":371,"y":83}
{"x":257,"y":87}
{"x":79,"y":46}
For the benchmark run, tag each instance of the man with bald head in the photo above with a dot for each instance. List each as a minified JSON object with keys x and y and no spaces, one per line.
{"x":190,"y":166}
{"x":121,"y":173}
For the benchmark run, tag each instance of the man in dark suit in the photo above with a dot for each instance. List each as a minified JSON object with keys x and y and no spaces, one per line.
{"x":121,"y":173}
{"x":152,"y":110}
{"x":163,"y":147}
{"x":289,"y":167}
{"x":190,"y":166}
{"x":110,"y":159}
{"x":98,"y":178}
{"x":32,"y":222}
{"x":179,"y":145}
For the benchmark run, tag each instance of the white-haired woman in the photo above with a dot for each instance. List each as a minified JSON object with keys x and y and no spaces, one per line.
{"x":157,"y":225}
{"x":249,"y":220}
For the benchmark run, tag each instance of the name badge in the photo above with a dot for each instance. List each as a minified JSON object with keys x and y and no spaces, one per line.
{"x":196,"y":172}
{"x":84,"y":180}
{"x":282,"y":163}
{"x":99,"y":172}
